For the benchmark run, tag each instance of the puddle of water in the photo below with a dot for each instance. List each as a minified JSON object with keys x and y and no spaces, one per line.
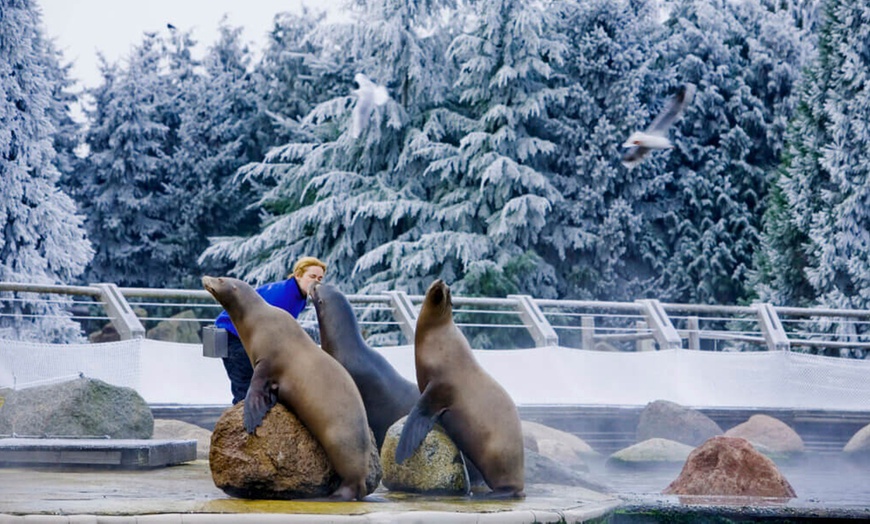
{"x":189,"y":489}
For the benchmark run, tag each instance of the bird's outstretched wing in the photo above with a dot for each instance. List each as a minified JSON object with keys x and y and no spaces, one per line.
{"x":674,"y":110}
{"x":655,"y":136}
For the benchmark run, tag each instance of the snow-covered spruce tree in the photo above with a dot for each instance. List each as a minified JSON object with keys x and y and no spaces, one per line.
{"x":69,"y":134}
{"x":42,"y":239}
{"x":805,"y":14}
{"x":825,"y":181}
{"x":293,"y":76}
{"x":744,"y":61}
{"x":339,"y":194}
{"x":482,"y":155}
{"x":124,"y":196}
{"x":214,"y":130}
{"x":599,"y":239}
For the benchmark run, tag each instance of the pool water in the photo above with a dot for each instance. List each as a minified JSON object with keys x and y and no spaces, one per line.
{"x":829,"y":487}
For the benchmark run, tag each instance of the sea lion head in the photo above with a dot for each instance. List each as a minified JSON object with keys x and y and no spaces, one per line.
{"x":229,"y":291}
{"x":316,"y":292}
{"x":212,"y":285}
{"x":324,"y":297}
{"x":335,"y":316}
{"x":439,"y":301}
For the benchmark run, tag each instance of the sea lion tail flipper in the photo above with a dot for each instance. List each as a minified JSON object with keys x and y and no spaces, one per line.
{"x":260,"y":398}
{"x":418,"y":424}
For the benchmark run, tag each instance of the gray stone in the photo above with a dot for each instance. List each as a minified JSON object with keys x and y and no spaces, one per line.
{"x":654,"y":452}
{"x":559,"y":446}
{"x":435,"y":467}
{"x":180,"y":328}
{"x":169,"y":429}
{"x":281,"y":460}
{"x":769,"y":435}
{"x":83,"y":407}
{"x":107,"y":334}
{"x":540,"y":469}
{"x":859,"y":444}
{"x":668,"y":420}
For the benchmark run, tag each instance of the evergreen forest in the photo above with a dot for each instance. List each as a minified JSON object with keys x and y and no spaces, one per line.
{"x":493,"y":163}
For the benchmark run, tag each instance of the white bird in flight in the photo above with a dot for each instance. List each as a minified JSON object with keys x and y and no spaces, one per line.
{"x":642,"y":142}
{"x":368,"y":96}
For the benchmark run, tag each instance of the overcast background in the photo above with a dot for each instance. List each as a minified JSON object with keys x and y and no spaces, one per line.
{"x":82,"y":28}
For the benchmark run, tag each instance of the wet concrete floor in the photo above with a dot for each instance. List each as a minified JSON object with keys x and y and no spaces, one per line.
{"x":828,"y":488}
{"x":176,"y":492}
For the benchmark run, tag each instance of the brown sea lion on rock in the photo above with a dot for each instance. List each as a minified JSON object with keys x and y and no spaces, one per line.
{"x":474,"y":410}
{"x":291,"y":369}
{"x":386,"y":394}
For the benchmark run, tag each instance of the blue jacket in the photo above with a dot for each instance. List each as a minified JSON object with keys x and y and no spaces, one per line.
{"x":285,"y":295}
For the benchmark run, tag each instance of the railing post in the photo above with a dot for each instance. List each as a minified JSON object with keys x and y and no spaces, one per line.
{"x":643,"y":344}
{"x":535,"y":321}
{"x":120,"y":313}
{"x":771,"y":327}
{"x":694,"y":327}
{"x":663,"y":330}
{"x":587,"y":331}
{"x":405,"y":313}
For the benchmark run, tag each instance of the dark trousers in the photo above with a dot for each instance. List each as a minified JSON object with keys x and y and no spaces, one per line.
{"x":238,"y":367}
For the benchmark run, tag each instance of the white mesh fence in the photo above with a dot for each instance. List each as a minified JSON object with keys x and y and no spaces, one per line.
{"x":26,"y":364}
{"x":173,"y":373}
{"x":162,"y":372}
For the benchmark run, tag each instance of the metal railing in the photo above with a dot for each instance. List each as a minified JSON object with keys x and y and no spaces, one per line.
{"x":516,"y":321}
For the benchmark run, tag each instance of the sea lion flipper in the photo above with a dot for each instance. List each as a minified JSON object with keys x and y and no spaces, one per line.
{"x":420,"y":420}
{"x":475,"y":477}
{"x":260,"y":398}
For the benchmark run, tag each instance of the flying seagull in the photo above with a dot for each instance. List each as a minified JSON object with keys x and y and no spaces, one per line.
{"x":640,"y":143}
{"x":368,"y":96}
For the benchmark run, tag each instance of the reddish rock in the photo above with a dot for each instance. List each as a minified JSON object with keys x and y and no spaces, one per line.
{"x":729,"y":466}
{"x":282,"y":460}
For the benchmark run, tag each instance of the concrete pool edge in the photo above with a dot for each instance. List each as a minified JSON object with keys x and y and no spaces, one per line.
{"x":573,"y":515}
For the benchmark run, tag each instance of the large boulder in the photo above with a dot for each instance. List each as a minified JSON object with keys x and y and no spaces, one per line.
{"x":671,"y":421}
{"x":859,"y":444}
{"x":83,"y":407}
{"x":769,"y":435}
{"x":436,"y":466}
{"x":183,"y":327}
{"x":281,"y":460}
{"x":170,"y":429}
{"x":730,"y":466}
{"x":108,"y":333}
{"x":562,"y":447}
{"x":651,"y":453}
{"x":539,"y":469}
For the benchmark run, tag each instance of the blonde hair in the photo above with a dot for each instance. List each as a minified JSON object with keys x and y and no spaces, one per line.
{"x":304,"y":263}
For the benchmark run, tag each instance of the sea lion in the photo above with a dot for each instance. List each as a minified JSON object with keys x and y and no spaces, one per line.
{"x":474,"y":409}
{"x":386,"y":394}
{"x":291,"y":369}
